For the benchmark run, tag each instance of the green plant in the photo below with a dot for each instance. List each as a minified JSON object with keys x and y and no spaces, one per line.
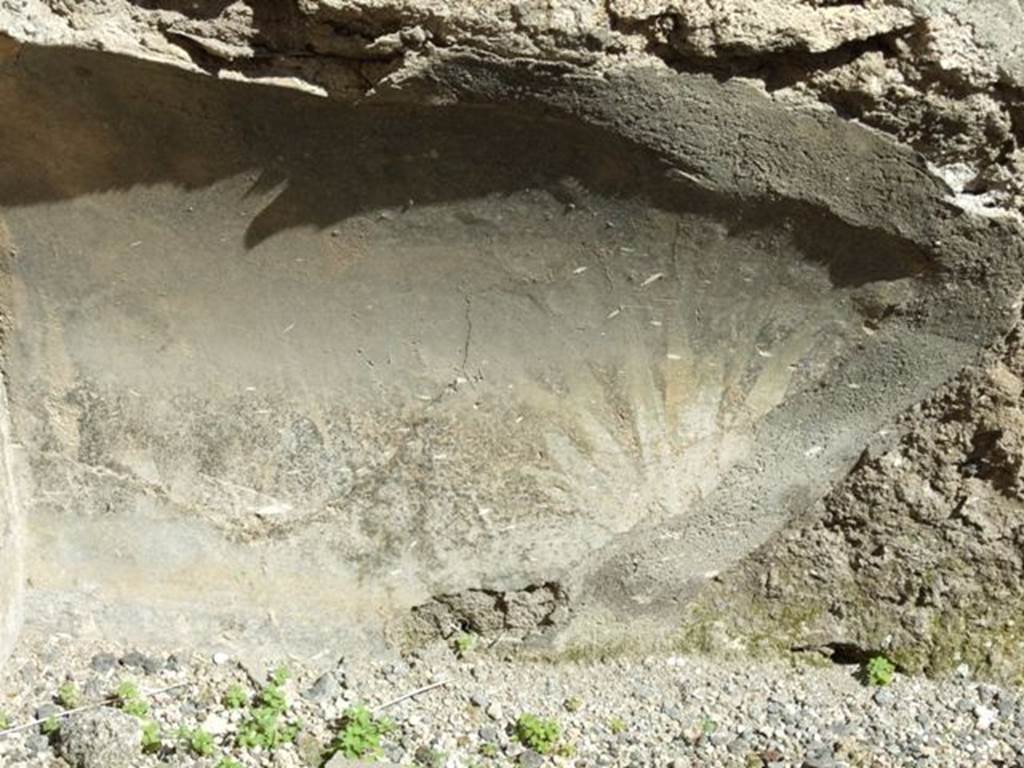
{"x":573,"y":704}
{"x":539,"y":734}
{"x":50,"y":726}
{"x":235,"y":697}
{"x":227,"y":762}
{"x":151,"y":737}
{"x":280,"y":675}
{"x":708,"y":726}
{"x":617,"y":725}
{"x":360,"y":734}
{"x":5,"y":721}
{"x":487,"y":749}
{"x":265,"y":729}
{"x":130,"y":701}
{"x":198,"y":741}
{"x":464,"y":643}
{"x":68,"y":696}
{"x":265,"y":726}
{"x":879,"y":670}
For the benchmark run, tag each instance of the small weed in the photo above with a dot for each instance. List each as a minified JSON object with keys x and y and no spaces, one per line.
{"x":198,"y":741}
{"x":573,"y":704}
{"x":280,"y":675}
{"x":464,"y":643}
{"x":487,"y":749}
{"x":708,"y":726}
{"x":152,"y":740}
{"x":539,"y":734}
{"x":879,"y":671}
{"x":360,"y":734}
{"x":265,"y":727}
{"x":5,"y":721}
{"x":235,"y":697}
{"x":227,"y":762}
{"x":565,"y":749}
{"x":617,"y":725}
{"x":68,"y":696}
{"x":50,"y":726}
{"x":130,"y":700}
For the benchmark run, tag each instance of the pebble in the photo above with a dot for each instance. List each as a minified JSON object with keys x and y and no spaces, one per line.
{"x":103,"y":662}
{"x":325,"y":688}
{"x":986,"y":717}
{"x":137,"y":660}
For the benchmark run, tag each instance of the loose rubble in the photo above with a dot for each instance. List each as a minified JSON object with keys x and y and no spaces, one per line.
{"x":673,"y":711}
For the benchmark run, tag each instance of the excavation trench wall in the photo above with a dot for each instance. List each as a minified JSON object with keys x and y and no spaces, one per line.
{"x":510,"y":345}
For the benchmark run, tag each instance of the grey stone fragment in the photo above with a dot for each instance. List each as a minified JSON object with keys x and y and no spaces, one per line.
{"x":340,"y":761}
{"x":138,"y":660}
{"x":47,"y":710}
{"x":101,"y":738}
{"x":325,"y":688}
{"x":529,"y":759}
{"x":103,"y":662}
{"x":883,"y":697}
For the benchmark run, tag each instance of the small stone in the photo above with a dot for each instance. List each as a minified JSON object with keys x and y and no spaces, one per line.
{"x":37,"y":743}
{"x":137,"y":660}
{"x":478,"y":699}
{"x":309,"y":749}
{"x":489,"y":734}
{"x":986,"y":717}
{"x":644,"y":692}
{"x":47,"y":710}
{"x":738,"y":745}
{"x":428,"y":757}
{"x":883,"y":697}
{"x":720,"y":738}
{"x":220,"y":658}
{"x":103,"y":662}
{"x":216,"y":724}
{"x":672,"y":712}
{"x":255,"y":669}
{"x":494,"y":711}
{"x":340,"y":761}
{"x":325,"y":688}
{"x":819,"y":762}
{"x":101,"y":738}
{"x":529,"y":759}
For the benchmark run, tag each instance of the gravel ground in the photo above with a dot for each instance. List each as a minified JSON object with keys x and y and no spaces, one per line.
{"x":660,"y":711}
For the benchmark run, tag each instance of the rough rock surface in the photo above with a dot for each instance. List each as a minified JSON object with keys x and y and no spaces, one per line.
{"x":102,"y":738}
{"x":918,"y":549}
{"x":917,"y":553}
{"x":944,"y":76}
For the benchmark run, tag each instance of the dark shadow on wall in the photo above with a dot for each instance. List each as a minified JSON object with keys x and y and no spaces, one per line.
{"x":76,"y":123}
